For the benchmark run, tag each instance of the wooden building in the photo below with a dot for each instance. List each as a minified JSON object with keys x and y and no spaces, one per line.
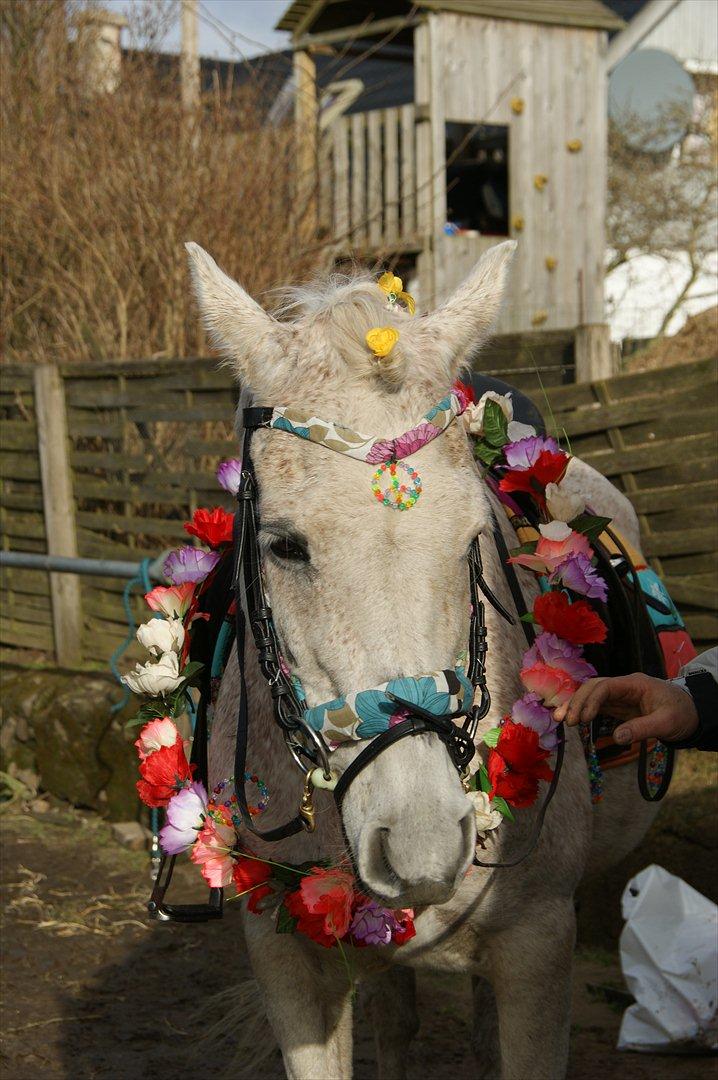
{"x":505,"y":136}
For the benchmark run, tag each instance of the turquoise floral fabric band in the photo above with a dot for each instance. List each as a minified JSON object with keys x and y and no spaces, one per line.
{"x":369,"y":448}
{"x":367,"y":713}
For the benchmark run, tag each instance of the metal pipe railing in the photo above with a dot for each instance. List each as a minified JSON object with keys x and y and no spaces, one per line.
{"x":64,"y":564}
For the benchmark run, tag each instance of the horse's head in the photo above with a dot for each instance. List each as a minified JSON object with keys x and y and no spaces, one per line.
{"x":362,"y":594}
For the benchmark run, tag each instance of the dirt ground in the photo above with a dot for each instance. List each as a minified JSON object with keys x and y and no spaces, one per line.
{"x":92,"y":990}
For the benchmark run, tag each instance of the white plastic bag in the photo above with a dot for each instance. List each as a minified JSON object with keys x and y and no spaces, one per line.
{"x":669,"y":957}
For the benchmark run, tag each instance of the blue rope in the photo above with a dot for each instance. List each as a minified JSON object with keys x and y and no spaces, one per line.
{"x":142,"y":579}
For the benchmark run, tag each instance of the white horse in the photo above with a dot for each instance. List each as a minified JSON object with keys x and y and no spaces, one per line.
{"x":373,"y":596}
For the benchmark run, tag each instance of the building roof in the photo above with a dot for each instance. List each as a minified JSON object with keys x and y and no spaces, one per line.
{"x":315,"y":16}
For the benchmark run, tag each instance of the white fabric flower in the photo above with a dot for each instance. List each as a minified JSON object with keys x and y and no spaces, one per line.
{"x":517,"y":431}
{"x":155,"y":678}
{"x":565,"y":500}
{"x":556,"y":530}
{"x":156,"y":734}
{"x":474,"y":414}
{"x":161,"y":636}
{"x":486,"y":818}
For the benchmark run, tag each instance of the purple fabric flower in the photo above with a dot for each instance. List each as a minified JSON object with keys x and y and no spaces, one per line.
{"x":373,"y":925}
{"x":557,"y":653}
{"x":578,"y":574}
{"x":530,"y":712}
{"x":547,"y":648}
{"x":189,"y":564}
{"x":522,"y":454}
{"x":229,"y":475}
{"x":185,"y":817}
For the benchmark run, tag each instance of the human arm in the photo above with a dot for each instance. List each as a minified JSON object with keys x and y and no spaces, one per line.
{"x":683,"y":713}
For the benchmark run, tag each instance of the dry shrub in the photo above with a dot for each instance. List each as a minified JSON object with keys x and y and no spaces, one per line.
{"x":99,"y":193}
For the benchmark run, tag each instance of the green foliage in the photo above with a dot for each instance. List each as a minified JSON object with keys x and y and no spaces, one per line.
{"x":500,"y":804}
{"x":487,"y":455}
{"x":495,"y":424}
{"x":590,"y":525}
{"x":286,"y":923}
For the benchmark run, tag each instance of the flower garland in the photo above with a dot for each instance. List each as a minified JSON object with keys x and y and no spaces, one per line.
{"x":553,"y":667}
{"x":321,"y":902}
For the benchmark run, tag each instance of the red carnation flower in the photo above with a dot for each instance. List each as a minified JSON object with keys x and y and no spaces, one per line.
{"x":546,"y":469}
{"x":213,"y":527}
{"x":461,"y":388}
{"x":251,"y":876}
{"x":164,"y":772}
{"x":407,"y":930}
{"x":577,"y":622}
{"x":517,"y":764}
{"x":323,"y":905}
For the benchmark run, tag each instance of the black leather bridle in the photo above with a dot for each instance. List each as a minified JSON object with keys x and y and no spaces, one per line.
{"x":307,"y":747}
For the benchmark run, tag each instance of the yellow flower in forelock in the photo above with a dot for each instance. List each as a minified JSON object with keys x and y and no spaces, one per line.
{"x":394,"y":288}
{"x":381,"y":340}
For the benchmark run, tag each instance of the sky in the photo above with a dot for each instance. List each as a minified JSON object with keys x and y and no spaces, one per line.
{"x":252,"y":21}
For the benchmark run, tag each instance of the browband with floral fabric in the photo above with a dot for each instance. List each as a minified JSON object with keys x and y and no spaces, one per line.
{"x":371,"y":448}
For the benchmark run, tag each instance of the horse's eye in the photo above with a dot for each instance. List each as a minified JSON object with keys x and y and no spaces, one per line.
{"x":289,"y":549}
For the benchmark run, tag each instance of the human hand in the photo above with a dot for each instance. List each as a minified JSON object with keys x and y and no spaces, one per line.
{"x":650,"y":708}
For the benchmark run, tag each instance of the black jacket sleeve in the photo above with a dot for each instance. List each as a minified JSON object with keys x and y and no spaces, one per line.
{"x":704,"y":690}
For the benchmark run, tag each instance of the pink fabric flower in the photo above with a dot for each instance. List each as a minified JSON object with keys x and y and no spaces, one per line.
{"x":552,"y":685}
{"x":173,"y":601}
{"x":373,"y":924}
{"x":185,"y":817}
{"x":530,"y":712}
{"x":229,"y":475}
{"x":550,"y":554}
{"x":189,"y":564}
{"x":524,"y":453}
{"x":155,"y":734}
{"x":212,"y":849}
{"x":579,"y":575}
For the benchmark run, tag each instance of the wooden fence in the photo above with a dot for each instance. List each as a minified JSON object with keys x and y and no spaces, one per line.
{"x":104,"y":460}
{"x":367,"y":181}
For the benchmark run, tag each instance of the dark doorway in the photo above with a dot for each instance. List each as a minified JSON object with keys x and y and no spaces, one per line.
{"x":477,"y":178}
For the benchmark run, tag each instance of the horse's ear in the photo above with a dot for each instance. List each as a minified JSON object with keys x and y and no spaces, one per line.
{"x":253,"y":341}
{"x":460,"y":326}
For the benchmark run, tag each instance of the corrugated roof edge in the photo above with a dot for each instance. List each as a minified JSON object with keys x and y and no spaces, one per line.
{"x":591,"y":14}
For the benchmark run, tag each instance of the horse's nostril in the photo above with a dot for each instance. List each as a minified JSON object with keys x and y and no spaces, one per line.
{"x":398,"y":870}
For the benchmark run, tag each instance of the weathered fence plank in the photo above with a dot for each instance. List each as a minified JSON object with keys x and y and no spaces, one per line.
{"x":59,"y":507}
